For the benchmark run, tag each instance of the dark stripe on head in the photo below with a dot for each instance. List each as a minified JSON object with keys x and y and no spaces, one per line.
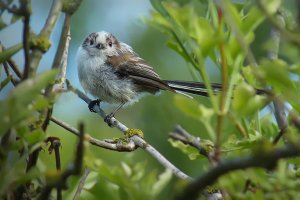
{"x":91,"y":38}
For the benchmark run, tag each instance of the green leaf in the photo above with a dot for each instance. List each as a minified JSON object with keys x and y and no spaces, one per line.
{"x":191,"y":152}
{"x":5,"y":82}
{"x":192,"y":108}
{"x":34,"y":137}
{"x":163,"y":179}
{"x":18,"y":104}
{"x":276,"y":73}
{"x":252,"y":20}
{"x":4,"y":55}
{"x":271,"y":6}
{"x":246,"y":102}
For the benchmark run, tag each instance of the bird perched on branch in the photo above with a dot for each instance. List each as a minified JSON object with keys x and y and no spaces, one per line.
{"x":112,"y":72}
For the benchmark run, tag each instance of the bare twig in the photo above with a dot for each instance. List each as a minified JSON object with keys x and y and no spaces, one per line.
{"x":12,"y":64}
{"x":37,"y":53}
{"x":138,"y":141}
{"x":160,"y":158}
{"x":281,"y":118}
{"x":25,"y":8}
{"x":55,"y":145}
{"x":265,"y":160}
{"x":115,"y":146}
{"x":81,"y":183}
{"x":134,"y":142}
{"x":15,"y":68}
{"x":279,"y":106}
{"x":63,"y":42}
{"x":289,"y":35}
{"x":182,"y":135}
{"x":13,"y":80}
{"x":73,"y":169}
{"x":70,"y":7}
{"x":61,"y":56}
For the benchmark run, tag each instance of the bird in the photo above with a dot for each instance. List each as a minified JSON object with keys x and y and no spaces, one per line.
{"x":112,"y":72}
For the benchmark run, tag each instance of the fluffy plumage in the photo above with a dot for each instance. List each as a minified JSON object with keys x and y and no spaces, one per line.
{"x":111,"y":71}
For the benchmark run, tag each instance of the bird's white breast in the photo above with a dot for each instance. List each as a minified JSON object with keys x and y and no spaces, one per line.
{"x":99,"y":79}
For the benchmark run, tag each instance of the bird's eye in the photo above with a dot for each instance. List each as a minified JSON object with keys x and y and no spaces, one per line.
{"x":91,"y":42}
{"x":110,"y":43}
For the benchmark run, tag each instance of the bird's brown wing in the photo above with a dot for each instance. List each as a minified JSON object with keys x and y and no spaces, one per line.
{"x":134,"y":68}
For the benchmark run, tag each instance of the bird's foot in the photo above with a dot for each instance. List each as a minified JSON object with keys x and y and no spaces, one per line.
{"x":93,"y":103}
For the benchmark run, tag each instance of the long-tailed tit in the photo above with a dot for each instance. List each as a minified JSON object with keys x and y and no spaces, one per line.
{"x":111,"y":71}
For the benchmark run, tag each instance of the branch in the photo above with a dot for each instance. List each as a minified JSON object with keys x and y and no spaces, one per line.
{"x":73,"y":169}
{"x":61,"y":57}
{"x":12,"y":64}
{"x":291,"y":36}
{"x":110,"y":145}
{"x":8,"y":74}
{"x":44,"y":35}
{"x":279,"y":106}
{"x":182,"y":135}
{"x":138,"y":141}
{"x":15,"y":68}
{"x":280,"y":117}
{"x":81,"y":183}
{"x":265,"y":160}
{"x":25,"y":8}
{"x":113,"y":121}
{"x":58,"y":166}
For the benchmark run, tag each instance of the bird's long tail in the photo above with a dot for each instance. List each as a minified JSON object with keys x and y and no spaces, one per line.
{"x":197,"y":88}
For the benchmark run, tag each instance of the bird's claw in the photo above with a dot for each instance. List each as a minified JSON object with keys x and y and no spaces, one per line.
{"x":93,"y":103}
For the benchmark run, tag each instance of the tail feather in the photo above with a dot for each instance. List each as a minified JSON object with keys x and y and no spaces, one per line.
{"x":197,"y":88}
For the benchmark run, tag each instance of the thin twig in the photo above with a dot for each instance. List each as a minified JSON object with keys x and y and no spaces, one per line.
{"x":138,"y":141}
{"x":73,"y":169}
{"x":15,"y":68}
{"x":182,"y":135}
{"x":110,"y":145}
{"x":61,"y":57}
{"x":279,"y":106}
{"x":291,"y":36}
{"x":265,"y":160}
{"x":12,"y":64}
{"x":25,"y":4}
{"x":56,"y":145}
{"x":81,"y":183}
{"x":45,"y":33}
{"x":63,"y":42}
{"x":6,"y":69}
{"x":281,"y":118}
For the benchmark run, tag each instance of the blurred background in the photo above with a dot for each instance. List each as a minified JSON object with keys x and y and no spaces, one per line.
{"x":155,"y":115}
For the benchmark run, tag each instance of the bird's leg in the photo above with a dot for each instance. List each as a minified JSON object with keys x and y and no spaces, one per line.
{"x":93,"y":103}
{"x":108,"y":117}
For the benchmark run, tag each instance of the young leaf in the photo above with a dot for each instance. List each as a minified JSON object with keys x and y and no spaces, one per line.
{"x":18,"y":104}
{"x":4,"y":55}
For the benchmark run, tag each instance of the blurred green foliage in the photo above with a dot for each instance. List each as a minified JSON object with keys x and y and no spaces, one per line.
{"x":197,"y":30}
